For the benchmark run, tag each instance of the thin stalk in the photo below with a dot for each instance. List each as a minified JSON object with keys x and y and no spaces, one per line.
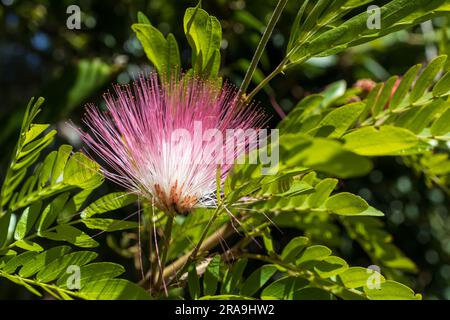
{"x":151,"y":260}
{"x":183,"y":262}
{"x":262,"y":44}
{"x":204,"y":234}
{"x":47,"y":287}
{"x":266,"y":80}
{"x":167,"y":237}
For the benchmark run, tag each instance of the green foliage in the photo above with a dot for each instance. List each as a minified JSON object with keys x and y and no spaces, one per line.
{"x":204,"y":35}
{"x":391,"y":290}
{"x":108,"y":203}
{"x":392,"y":120}
{"x":50,"y":271}
{"x":378,"y":243}
{"x":29,"y":146}
{"x":44,"y":205}
{"x":320,"y":31}
{"x":385,"y":141}
{"x":162,"y":52}
{"x":302,"y":271}
{"x":315,"y":197}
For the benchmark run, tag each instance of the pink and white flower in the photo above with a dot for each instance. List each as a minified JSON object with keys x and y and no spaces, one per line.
{"x":134,"y":138}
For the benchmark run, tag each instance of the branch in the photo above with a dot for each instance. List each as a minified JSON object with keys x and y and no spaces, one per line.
{"x":223,"y":233}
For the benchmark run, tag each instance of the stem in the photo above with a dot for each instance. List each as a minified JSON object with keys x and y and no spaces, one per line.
{"x":44,"y":286}
{"x":262,"y":44}
{"x":167,"y":236}
{"x":266,"y":80}
{"x":203,"y":236}
{"x":182,"y":263}
{"x":151,"y":260}
{"x":194,"y":253}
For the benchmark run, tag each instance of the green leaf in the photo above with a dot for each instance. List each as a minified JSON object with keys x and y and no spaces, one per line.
{"x":21,"y":282}
{"x":71,"y":235}
{"x":391,"y":290}
{"x":348,"y":204}
{"x":211,"y":276}
{"x":51,"y":212}
{"x":57,"y":268}
{"x":82,"y":172}
{"x":109,"y":225}
{"x":323,"y":190}
{"x":356,"y":277}
{"x":28,"y":245}
{"x":296,"y":27}
{"x":293,"y":249}
{"x":426,"y":78}
{"x":110,"y":202}
{"x":32,"y":149}
{"x":94,"y":272}
{"x":404,"y":86}
{"x":193,"y":282}
{"x":377,"y":243}
{"x":425,"y":115}
{"x":284,"y":288}
{"x":330,"y":266}
{"x":442,"y":125}
{"x":294,"y":121}
{"x":204,"y":35}
{"x":313,"y":293}
{"x":257,"y":279}
{"x":384,"y":95}
{"x":18,"y":261}
{"x":316,"y":252}
{"x":113,"y":289}
{"x":442,"y":87}
{"x":297,"y":188}
{"x":34,"y":131}
{"x":322,"y":155}
{"x":233,"y":278}
{"x":63,"y":155}
{"x":27,"y":220}
{"x":162,"y":52}
{"x":268,"y":242}
{"x":5,"y":258}
{"x":142,"y":18}
{"x":341,"y":119}
{"x":387,"y":140}
{"x":72,"y":206}
{"x":225,"y":297}
{"x":26,"y":152}
{"x":371,"y":211}
{"x":4,"y":227}
{"x":333,"y":92}
{"x":40,"y":261}
{"x":47,"y":167}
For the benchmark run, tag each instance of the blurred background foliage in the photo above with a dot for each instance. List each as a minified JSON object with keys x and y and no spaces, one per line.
{"x":39,"y":55}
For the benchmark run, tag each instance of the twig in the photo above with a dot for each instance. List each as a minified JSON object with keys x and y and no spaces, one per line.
{"x":262,"y":44}
{"x":209,"y":243}
{"x":167,"y":236}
